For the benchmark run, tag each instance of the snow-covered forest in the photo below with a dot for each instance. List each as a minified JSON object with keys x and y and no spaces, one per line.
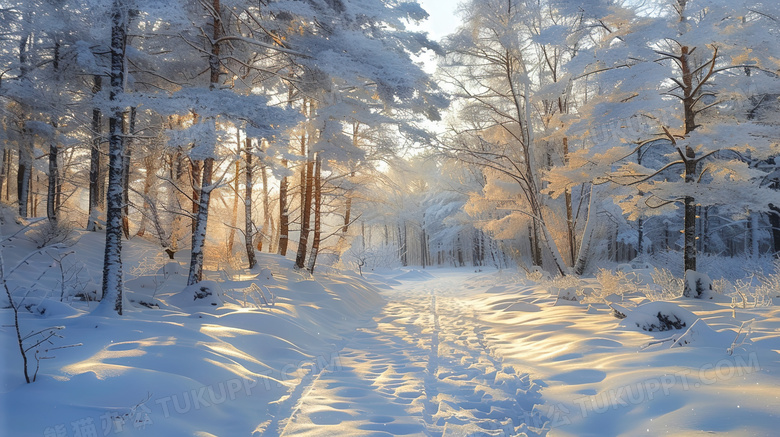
{"x":346,"y":226}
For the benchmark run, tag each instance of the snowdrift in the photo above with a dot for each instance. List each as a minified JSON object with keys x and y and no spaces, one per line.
{"x":210,"y":359}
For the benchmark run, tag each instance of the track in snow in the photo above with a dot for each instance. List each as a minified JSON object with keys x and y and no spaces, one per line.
{"x":423,"y":368}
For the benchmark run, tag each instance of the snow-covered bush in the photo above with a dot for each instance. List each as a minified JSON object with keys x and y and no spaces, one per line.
{"x":665,"y":286}
{"x":567,"y":287}
{"x":696,"y":284}
{"x":722,"y":286}
{"x":535,"y":275}
{"x":717,"y":266}
{"x":768,"y":286}
{"x":658,"y":316}
{"x":610,"y":282}
{"x":204,"y":293}
{"x":36,"y":344}
{"x":371,"y":257}
{"x":618,"y":283}
{"x":75,"y":281}
{"x":741,"y":291}
{"x":755,"y":290}
{"x":51,"y":232}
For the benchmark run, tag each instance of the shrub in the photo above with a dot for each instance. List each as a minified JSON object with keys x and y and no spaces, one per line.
{"x":666,"y":286}
{"x":568,"y":287}
{"x":618,"y":283}
{"x":51,"y":232}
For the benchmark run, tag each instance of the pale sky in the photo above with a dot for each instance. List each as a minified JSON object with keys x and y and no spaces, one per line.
{"x":442,"y":20}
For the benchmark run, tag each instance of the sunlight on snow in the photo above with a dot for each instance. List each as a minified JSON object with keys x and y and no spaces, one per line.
{"x":225,"y":331}
{"x":229,"y":351}
{"x":97,"y":365}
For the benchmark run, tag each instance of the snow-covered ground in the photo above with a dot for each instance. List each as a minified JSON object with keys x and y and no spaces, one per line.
{"x":437,"y":352}
{"x":606,"y":376}
{"x":422,"y":367}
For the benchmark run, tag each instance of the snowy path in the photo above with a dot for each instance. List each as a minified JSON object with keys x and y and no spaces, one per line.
{"x":423,"y":368}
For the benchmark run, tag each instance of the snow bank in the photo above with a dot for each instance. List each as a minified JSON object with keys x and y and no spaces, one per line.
{"x":48,"y":308}
{"x":201,"y":364}
{"x":204,"y":293}
{"x":607,"y":376}
{"x":657,"y":317}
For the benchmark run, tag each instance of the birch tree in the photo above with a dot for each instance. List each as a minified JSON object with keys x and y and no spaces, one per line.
{"x":112,"y":260}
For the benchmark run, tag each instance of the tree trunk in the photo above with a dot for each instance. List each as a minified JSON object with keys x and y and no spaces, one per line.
{"x":25,"y":171}
{"x":25,"y":143}
{"x":248,"y":230}
{"x":400,"y":245}
{"x":315,"y":247}
{"x":754,"y":248}
{"x":284,"y":214}
{"x":306,"y":191}
{"x":54,"y":171}
{"x":402,"y":234}
{"x":196,"y":174}
{"x":234,"y":217}
{"x":3,"y":170}
{"x":54,"y":177}
{"x":95,"y":175}
{"x":705,"y":227}
{"x":201,"y":224}
{"x":459,"y":253}
{"x":348,"y":194}
{"x":570,"y":231}
{"x":423,"y":242}
{"x":129,"y":130}
{"x":689,"y":250}
{"x":9,"y":159}
{"x":689,"y":158}
{"x":33,"y":202}
{"x":178,"y":174}
{"x":347,"y":215}
{"x":150,"y":167}
{"x":774,"y":222}
{"x":553,"y":248}
{"x":112,"y":261}
{"x":65,"y":162}
{"x":475,"y":258}
{"x":583,"y":255}
{"x":268,"y":218}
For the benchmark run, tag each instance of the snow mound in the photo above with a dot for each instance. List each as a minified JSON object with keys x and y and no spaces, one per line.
{"x":657,"y":316}
{"x":264,"y":275}
{"x":50,"y":308}
{"x":204,"y":293}
{"x":171,"y":268}
{"x":414,"y":275}
{"x":702,"y":334}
